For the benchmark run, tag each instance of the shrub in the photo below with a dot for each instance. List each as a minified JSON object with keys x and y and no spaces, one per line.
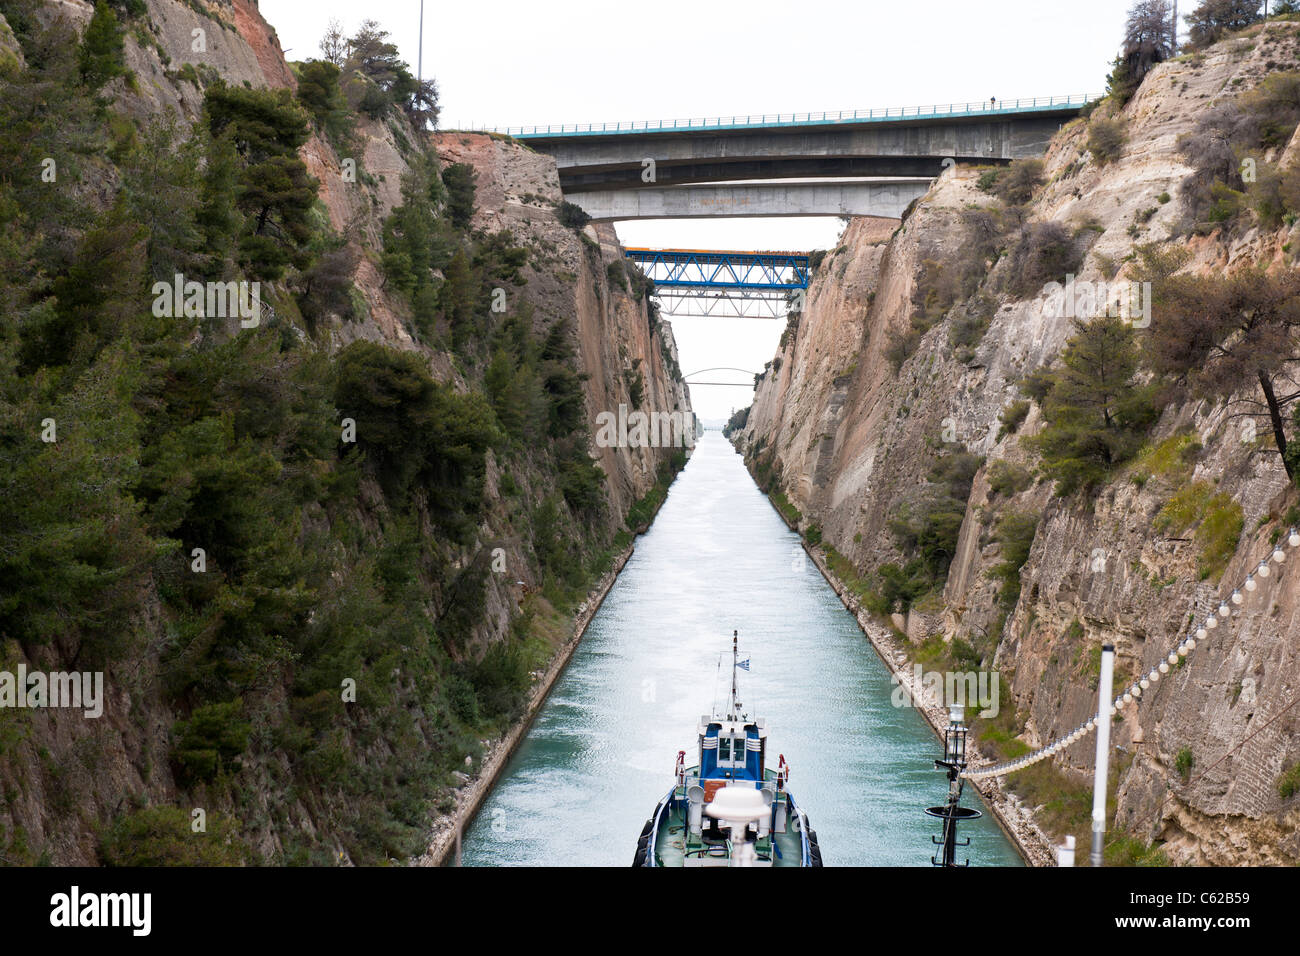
{"x":899,"y":587}
{"x":1171,"y":456}
{"x":1220,"y":518}
{"x":927,"y":521}
{"x":1006,"y":478}
{"x":164,"y":836}
{"x":1015,"y":532}
{"x":1288,"y":784}
{"x":1106,"y":138}
{"x":1012,"y":417}
{"x":413,"y":428}
{"x":1184,"y":762}
{"x":616,"y":274}
{"x":210,"y":740}
{"x":989,"y":178}
{"x":1213,"y":19}
{"x":101,"y":55}
{"x":501,"y":680}
{"x":1018,"y":183}
{"x":572,"y":215}
{"x":319,"y":91}
{"x":1046,"y":252}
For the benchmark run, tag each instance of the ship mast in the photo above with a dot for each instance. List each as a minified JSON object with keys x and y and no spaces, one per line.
{"x":735,"y":659}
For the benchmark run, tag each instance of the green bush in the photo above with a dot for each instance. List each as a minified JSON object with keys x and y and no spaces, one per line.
{"x":1012,"y":417}
{"x":208,"y":743}
{"x":616,"y":273}
{"x":1220,"y":518}
{"x":501,"y":680}
{"x":1106,"y":139}
{"x":1015,"y":532}
{"x":322,"y":96}
{"x":164,"y":836}
{"x":572,"y":215}
{"x":101,"y":56}
{"x":1288,"y":783}
{"x":1045,"y":252}
{"x":1007,"y":478}
{"x":414,"y":428}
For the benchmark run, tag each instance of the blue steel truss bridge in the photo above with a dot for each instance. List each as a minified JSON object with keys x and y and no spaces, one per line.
{"x":732,"y":284}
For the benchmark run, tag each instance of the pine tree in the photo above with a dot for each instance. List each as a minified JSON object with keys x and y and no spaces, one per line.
{"x":102,"y":53}
{"x":273,"y":188}
{"x":1096,"y":411}
{"x":459,"y":178}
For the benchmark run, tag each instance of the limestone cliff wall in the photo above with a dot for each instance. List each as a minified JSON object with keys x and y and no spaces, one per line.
{"x":66,"y":777}
{"x":848,"y":438}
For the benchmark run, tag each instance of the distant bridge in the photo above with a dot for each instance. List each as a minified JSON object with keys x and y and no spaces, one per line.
{"x":723,"y":368}
{"x":649,"y":170}
{"x":714,"y":269}
{"x":734,"y":284}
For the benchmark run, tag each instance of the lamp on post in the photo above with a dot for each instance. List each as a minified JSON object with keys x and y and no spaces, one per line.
{"x":954,"y":739}
{"x":954,"y":763}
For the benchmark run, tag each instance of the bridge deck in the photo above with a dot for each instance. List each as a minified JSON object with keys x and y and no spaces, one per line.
{"x":982,"y":109}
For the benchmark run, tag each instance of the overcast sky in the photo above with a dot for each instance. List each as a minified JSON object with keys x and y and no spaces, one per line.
{"x":511,"y":63}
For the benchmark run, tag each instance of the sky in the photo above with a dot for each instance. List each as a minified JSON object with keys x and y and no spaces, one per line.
{"x":513,"y":63}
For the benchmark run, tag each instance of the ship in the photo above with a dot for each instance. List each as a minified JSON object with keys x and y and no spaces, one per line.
{"x":730,"y":808}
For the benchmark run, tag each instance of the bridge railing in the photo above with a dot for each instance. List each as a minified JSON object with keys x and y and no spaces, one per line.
{"x":990,"y":107}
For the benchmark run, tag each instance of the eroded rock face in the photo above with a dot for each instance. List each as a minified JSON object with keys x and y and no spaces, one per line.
{"x":849,"y":437}
{"x":65,"y":775}
{"x":568,"y":275}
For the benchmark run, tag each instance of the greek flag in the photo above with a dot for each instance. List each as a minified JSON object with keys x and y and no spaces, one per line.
{"x":744,"y":665}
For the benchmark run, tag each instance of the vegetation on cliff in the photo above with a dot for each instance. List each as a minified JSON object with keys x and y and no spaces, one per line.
{"x":275,"y":545}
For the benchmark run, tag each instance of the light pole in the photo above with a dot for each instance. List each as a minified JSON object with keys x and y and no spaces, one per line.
{"x":954,"y":761}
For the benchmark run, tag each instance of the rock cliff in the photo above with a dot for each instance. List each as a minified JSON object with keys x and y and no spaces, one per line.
{"x":290,"y":795}
{"x":849,"y":433}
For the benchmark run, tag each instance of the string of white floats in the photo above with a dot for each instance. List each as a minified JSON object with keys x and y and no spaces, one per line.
{"x":1197,"y":635}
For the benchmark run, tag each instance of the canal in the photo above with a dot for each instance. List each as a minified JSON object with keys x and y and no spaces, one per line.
{"x":600,"y":753}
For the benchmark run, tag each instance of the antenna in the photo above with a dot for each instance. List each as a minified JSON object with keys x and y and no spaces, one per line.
{"x":735,"y":660}
{"x":717,"y":676}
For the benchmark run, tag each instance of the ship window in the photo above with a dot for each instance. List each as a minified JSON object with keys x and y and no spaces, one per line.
{"x":724,"y":748}
{"x":740,"y":750}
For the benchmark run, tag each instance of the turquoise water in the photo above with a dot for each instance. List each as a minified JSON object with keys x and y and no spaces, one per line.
{"x":601,"y":752}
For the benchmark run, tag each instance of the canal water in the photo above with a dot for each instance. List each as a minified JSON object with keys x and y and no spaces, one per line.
{"x":600,"y":754}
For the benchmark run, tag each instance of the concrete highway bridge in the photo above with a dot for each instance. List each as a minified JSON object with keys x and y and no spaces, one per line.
{"x":850,"y":163}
